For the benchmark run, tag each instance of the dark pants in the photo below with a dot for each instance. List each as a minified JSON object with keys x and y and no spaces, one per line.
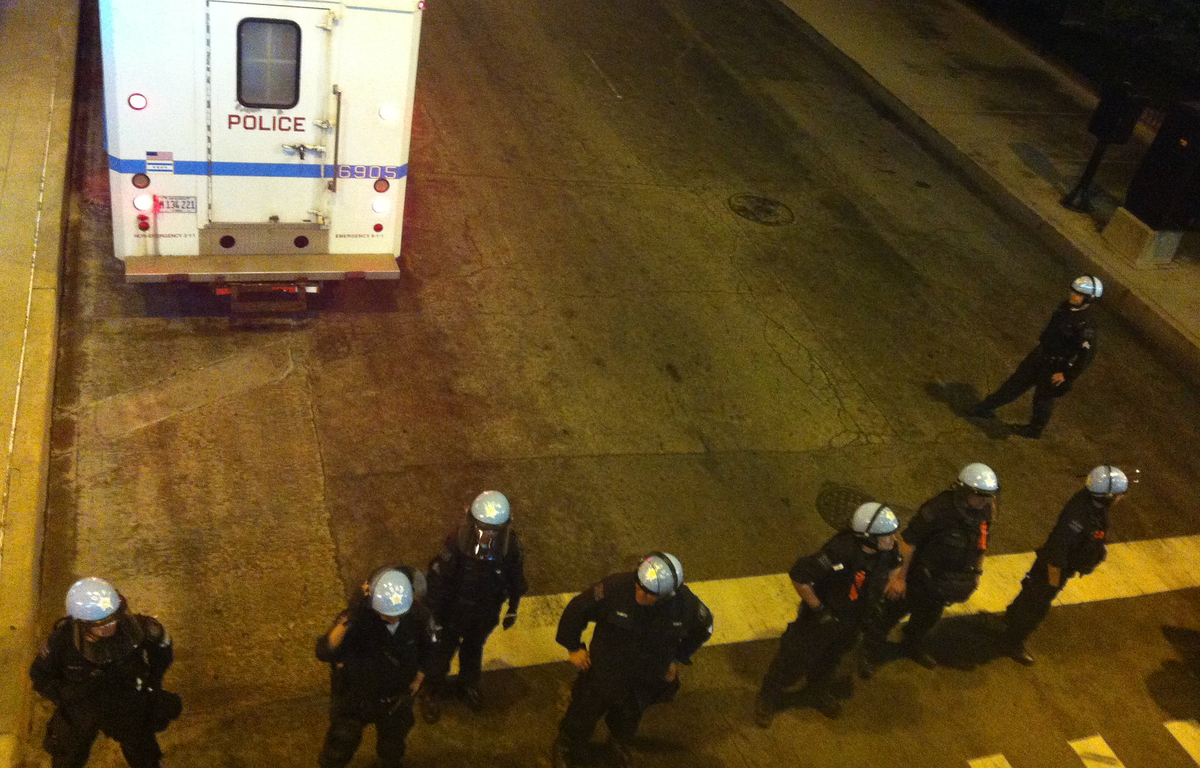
{"x":347,"y":718}
{"x":921,"y":605}
{"x":621,"y":702}
{"x":1034,"y":371}
{"x":809,"y":650}
{"x":69,"y":739}
{"x":1032,"y":605}
{"x":465,"y":634}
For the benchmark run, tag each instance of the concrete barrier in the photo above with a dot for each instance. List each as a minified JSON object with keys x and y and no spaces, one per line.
{"x":37,"y":76}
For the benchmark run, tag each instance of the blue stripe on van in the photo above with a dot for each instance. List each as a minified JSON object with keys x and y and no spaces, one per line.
{"x":381,"y":10}
{"x":273,"y":170}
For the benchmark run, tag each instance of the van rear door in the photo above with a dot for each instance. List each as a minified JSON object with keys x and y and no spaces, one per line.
{"x":270,"y":132}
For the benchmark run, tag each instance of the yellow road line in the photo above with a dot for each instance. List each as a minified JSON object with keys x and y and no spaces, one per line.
{"x":758,"y":607}
{"x":1095,"y":753}
{"x":1187,"y":733}
{"x":991,"y":761}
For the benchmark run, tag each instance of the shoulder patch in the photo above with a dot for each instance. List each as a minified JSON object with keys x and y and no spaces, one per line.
{"x":1075,"y":526}
{"x":824,"y":561}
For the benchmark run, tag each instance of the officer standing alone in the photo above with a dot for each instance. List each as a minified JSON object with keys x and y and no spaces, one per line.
{"x":647,"y":624}
{"x":103,"y":667}
{"x":839,"y":588}
{"x":1076,"y":545}
{"x":943,"y":549}
{"x":377,"y":650}
{"x":1065,"y":348}
{"x":480,"y":566}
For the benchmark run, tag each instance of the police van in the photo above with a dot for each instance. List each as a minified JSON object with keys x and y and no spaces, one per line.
{"x":258,"y":142}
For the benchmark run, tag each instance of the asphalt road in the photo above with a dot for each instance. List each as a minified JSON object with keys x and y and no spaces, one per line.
{"x":587,"y":324}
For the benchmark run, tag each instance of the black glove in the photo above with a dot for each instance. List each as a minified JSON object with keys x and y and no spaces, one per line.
{"x":510,"y":618}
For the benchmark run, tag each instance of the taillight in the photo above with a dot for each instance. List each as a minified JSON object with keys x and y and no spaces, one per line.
{"x":382,"y":185}
{"x":141,"y":180}
{"x":143,"y":202}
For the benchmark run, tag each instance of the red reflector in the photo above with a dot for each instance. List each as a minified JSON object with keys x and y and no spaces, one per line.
{"x":378,"y":227}
{"x":221,"y":291}
{"x":143,"y":225}
{"x":284,"y":288}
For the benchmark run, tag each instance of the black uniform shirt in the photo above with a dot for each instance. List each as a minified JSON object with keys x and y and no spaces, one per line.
{"x":61,"y":674}
{"x":461,"y":584}
{"x":844,"y":577}
{"x":633,"y":641}
{"x":1068,"y":342}
{"x":946,"y":539}
{"x":372,"y":663}
{"x":1080,"y":522}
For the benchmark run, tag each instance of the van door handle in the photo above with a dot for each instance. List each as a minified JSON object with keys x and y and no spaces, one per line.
{"x":300,"y":149}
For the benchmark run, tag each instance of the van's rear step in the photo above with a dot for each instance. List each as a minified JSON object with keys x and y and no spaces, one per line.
{"x":291,"y":268}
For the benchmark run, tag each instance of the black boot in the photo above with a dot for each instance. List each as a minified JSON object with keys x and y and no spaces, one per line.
{"x":430,"y":705}
{"x":470,"y":694}
{"x":827,"y":704}
{"x":619,"y":754}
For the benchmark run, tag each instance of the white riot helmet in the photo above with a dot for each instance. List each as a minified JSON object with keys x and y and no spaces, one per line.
{"x":874,"y":519}
{"x":1089,"y":287}
{"x":391,"y":592}
{"x":1106,"y":481}
{"x":92,"y":600}
{"x":979,"y":478}
{"x":102,"y":628}
{"x":660,"y":574}
{"x":485,"y":533}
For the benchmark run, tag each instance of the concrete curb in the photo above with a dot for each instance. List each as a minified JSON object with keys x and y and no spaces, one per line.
{"x":1177,"y":350}
{"x":25,"y":462}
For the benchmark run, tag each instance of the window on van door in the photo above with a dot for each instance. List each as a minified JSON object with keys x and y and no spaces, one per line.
{"x":268,"y":73}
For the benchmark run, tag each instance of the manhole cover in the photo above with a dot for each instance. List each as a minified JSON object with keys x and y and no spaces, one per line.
{"x":761,"y":210}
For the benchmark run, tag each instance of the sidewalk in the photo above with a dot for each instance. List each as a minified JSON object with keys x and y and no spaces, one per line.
{"x":37,"y":74}
{"x":1016,"y":126}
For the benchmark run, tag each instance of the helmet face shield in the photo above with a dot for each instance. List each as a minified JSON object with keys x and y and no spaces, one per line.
{"x":109,"y":639}
{"x":483,"y":542}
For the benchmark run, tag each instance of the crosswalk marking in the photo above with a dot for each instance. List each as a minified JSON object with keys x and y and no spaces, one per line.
{"x":758,"y":607}
{"x":1187,"y":733}
{"x":1095,"y":753}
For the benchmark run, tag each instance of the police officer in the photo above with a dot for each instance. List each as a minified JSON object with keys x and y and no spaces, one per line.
{"x":839,"y":586}
{"x":1065,"y":348}
{"x":943,"y":548}
{"x":480,"y":566}
{"x":103,"y":667}
{"x":377,"y":650}
{"x":647,"y":624}
{"x":1076,"y":545}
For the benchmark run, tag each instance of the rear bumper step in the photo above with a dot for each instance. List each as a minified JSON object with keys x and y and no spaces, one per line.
{"x":291,"y":268}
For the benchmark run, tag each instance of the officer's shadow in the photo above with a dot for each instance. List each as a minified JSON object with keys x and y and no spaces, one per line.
{"x":961,"y":643}
{"x":1175,"y":686}
{"x":959,"y":398}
